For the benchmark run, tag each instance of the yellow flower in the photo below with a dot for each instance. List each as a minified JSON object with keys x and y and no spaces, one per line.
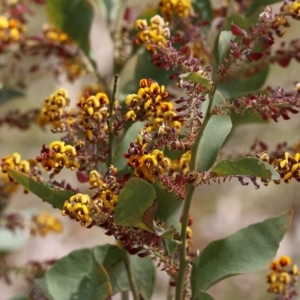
{"x":57,"y":146}
{"x":285,"y":261}
{"x":44,"y":223}
{"x":3,"y":22}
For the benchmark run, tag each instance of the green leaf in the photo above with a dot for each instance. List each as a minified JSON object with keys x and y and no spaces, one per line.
{"x":256,"y":4}
{"x":196,"y":78}
{"x":54,"y":197}
{"x":223,"y":44}
{"x":136,"y":205}
{"x":131,"y":135}
{"x":249,"y":166}
{"x":74,"y":18}
{"x":204,"y":8}
{"x":214,"y":135}
{"x":215,"y":132}
{"x":242,"y":85}
{"x":205,"y":296}
{"x":248,"y":250}
{"x":112,"y":259}
{"x":170,"y":246}
{"x":246,"y":118}
{"x":77,"y":276}
{"x":7,"y":94}
{"x":144,"y":275}
{"x":169,"y":207}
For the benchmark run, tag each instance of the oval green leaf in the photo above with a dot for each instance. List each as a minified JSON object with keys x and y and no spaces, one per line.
{"x":249,"y":166}
{"x":214,"y":134}
{"x":248,"y":250}
{"x":196,"y":78}
{"x":54,"y":197}
{"x":223,"y":44}
{"x":136,"y":205}
{"x":77,"y":276}
{"x":74,"y":18}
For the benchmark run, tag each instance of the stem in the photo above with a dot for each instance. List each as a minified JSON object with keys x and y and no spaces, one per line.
{"x":110,"y":125}
{"x":134,"y":289}
{"x":118,"y":30}
{"x":183,"y":263}
{"x":183,"y":260}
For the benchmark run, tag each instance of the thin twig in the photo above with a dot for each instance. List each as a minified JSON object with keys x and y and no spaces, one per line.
{"x":131,"y":279}
{"x":111,"y":119}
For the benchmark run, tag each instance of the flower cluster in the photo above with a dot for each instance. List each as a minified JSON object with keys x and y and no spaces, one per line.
{"x":56,"y":36}
{"x":151,"y":104}
{"x":53,"y":110}
{"x":292,"y":8}
{"x":79,"y":207}
{"x":11,"y":30}
{"x":13,"y":161}
{"x":107,"y":189}
{"x":282,"y":280}
{"x":172,"y":8}
{"x":146,"y":164}
{"x":92,"y":211}
{"x":288,"y":167}
{"x":94,"y":114}
{"x":155,"y":35}
{"x":181,"y":165}
{"x":57,"y":156}
{"x":44,"y":223}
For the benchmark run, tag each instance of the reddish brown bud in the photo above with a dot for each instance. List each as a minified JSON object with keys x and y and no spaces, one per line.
{"x":284,"y":61}
{"x":236,"y":30}
{"x":246,"y":41}
{"x":82,"y":177}
{"x":254,"y":56}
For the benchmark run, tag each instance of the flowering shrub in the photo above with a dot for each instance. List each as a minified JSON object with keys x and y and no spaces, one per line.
{"x":143,"y":149}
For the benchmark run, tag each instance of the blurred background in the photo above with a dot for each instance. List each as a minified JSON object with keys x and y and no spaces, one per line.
{"x":217,"y":209}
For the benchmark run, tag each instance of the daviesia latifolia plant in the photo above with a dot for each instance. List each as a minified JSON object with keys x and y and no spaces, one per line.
{"x":144,"y":139}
